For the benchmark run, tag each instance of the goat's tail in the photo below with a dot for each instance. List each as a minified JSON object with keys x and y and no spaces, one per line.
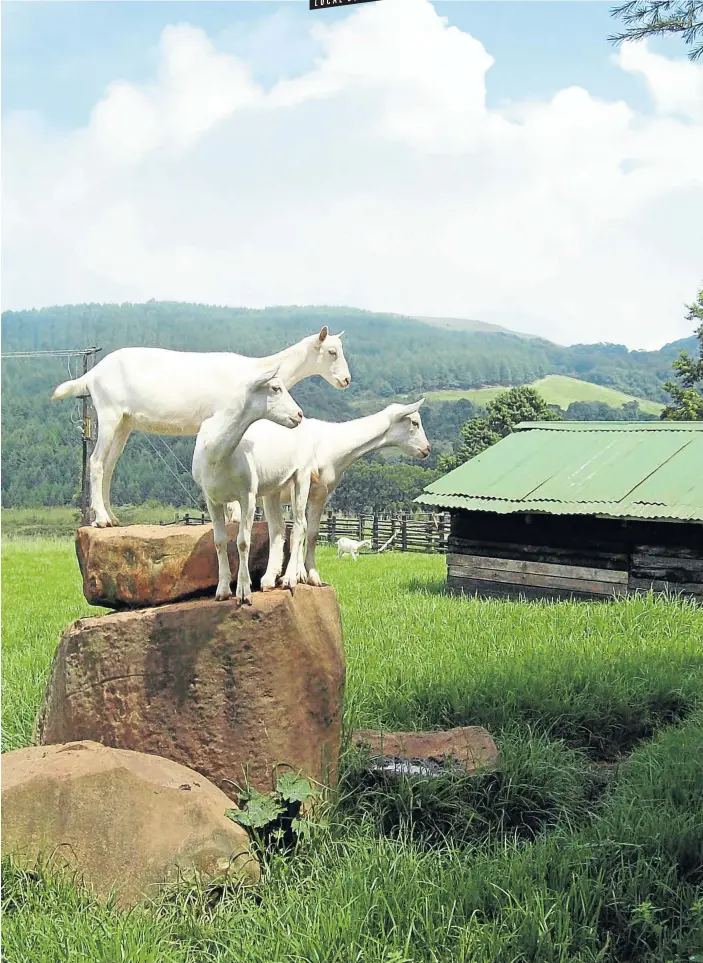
{"x":71,"y":389}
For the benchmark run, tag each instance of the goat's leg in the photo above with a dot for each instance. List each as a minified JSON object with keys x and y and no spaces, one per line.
{"x":224,"y":572}
{"x":316,"y":506}
{"x":108,"y":425}
{"x":116,"y":448}
{"x":277,"y":537}
{"x":248,"y":505}
{"x":300,"y":501}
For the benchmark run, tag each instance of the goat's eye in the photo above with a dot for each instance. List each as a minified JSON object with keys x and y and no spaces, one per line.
{"x":333,"y":353}
{"x":276,"y":389}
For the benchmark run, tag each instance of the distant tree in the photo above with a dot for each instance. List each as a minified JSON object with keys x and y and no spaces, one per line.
{"x":600,"y":411}
{"x":506,"y":411}
{"x":655,"y":18}
{"x":687,"y":403}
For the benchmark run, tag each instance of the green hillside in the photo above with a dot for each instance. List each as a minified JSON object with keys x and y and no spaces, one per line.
{"x":559,"y":390}
{"x":470,"y":324}
{"x":390,"y":357}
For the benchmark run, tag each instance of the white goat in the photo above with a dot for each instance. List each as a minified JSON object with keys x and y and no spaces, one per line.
{"x":271,"y":454}
{"x":262,"y":396}
{"x":348,"y":546}
{"x":173,"y":392}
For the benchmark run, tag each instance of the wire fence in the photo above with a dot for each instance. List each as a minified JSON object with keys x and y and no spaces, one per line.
{"x":388,"y":531}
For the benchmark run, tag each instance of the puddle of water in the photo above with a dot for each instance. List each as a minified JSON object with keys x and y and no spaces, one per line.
{"x":411,"y":767}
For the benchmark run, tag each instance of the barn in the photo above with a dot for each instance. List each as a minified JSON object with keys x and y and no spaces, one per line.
{"x":578,"y":510}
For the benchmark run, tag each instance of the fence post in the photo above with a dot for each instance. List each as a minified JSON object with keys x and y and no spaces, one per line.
{"x":429,"y":529}
{"x":360,"y":526}
{"x":374,"y":532}
{"x":404,"y":532}
{"x":331,"y":527}
{"x":440,"y":530}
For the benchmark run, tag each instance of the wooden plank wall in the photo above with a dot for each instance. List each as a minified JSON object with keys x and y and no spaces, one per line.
{"x":563,"y":557}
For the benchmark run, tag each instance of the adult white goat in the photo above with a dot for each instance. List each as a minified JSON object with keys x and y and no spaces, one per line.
{"x":259,"y":396}
{"x":173,"y":392}
{"x":349,"y":546}
{"x":274,"y":461}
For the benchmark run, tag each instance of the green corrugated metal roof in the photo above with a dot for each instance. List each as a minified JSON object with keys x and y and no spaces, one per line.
{"x":617,"y":469}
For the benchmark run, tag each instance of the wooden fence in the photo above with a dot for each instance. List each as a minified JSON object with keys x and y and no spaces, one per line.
{"x":424,"y":532}
{"x":421,"y":532}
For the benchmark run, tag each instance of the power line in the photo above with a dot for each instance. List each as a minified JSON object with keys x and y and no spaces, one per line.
{"x":67,"y":353}
{"x":188,"y":493}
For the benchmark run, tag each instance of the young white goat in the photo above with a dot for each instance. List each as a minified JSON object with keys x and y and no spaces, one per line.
{"x":261,"y":396}
{"x":173,"y":392}
{"x":347,"y":546}
{"x":331,"y":448}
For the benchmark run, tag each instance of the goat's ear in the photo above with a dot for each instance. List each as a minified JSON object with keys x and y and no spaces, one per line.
{"x":411,"y":409}
{"x":324,"y":331}
{"x":263,"y":377}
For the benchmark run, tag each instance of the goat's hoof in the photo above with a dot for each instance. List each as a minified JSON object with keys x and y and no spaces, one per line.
{"x":103,"y":523}
{"x":223,"y":596}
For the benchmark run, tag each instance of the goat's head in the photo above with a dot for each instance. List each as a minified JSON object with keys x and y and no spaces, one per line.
{"x":328,"y":358}
{"x":271,"y":397}
{"x":406,"y":431}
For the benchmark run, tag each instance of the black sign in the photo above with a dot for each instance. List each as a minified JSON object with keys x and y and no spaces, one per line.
{"x":321,"y":4}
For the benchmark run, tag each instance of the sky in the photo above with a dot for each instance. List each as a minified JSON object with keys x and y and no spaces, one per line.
{"x":492,"y":160}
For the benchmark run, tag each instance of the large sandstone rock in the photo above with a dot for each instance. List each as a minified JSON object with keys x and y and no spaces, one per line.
{"x":122,"y":820}
{"x":471,"y":747}
{"x":216,"y":687}
{"x":140,"y":565}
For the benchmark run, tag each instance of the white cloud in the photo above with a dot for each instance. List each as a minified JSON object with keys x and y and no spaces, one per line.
{"x":675,"y":85}
{"x":379,"y":178}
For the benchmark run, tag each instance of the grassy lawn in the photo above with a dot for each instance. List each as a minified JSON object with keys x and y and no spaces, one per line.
{"x":586,"y":846}
{"x":556,"y":390}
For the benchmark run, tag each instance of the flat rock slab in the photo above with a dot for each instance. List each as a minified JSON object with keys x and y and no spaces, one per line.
{"x":471,"y":747}
{"x":123,"y":821}
{"x":222,"y":689}
{"x":142,"y":565}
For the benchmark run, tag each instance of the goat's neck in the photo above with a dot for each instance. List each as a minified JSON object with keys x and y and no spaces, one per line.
{"x":294,"y":363}
{"x":234,"y":423}
{"x":348,"y":441}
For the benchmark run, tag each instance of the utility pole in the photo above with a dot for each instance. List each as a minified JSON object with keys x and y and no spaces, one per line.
{"x":88,"y":356}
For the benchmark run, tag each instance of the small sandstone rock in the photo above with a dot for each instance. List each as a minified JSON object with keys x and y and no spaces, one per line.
{"x":142,"y":565}
{"x":219,"y":688}
{"x":470,"y":746}
{"x":121,"y":819}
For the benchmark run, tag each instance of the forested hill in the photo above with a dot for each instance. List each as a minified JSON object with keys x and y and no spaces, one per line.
{"x":389,"y":356}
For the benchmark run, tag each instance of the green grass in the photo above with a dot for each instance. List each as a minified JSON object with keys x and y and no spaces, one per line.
{"x":555,"y":858}
{"x":556,"y":390}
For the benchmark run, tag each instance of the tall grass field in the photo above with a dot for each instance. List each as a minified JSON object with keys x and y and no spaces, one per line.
{"x":585,"y":846}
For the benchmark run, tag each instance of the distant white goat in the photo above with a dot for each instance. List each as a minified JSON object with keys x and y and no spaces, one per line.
{"x":262,"y":396}
{"x":347,"y":546}
{"x":271,"y":453}
{"x":173,"y":392}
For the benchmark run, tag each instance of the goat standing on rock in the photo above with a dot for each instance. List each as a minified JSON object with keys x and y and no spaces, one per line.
{"x":173,"y":392}
{"x":270,"y":462}
{"x":265,"y":396}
